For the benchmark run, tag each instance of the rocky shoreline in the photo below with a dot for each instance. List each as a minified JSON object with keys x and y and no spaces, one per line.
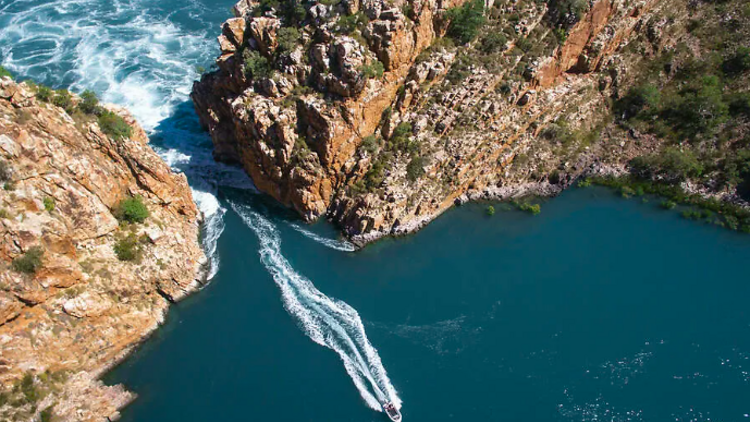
{"x":382,"y":153}
{"x":100,"y":238}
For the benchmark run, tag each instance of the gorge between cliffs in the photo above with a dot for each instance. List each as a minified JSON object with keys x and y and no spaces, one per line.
{"x":253,"y":151}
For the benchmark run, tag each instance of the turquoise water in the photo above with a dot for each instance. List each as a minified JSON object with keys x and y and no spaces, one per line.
{"x":599,"y":309}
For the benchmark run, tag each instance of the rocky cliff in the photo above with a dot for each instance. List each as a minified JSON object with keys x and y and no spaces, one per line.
{"x":98,"y":236}
{"x":446,"y":120}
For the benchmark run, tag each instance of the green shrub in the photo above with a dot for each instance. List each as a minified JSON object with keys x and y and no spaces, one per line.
{"x":28,"y":389}
{"x":626,"y":192}
{"x":5,"y":171}
{"x":49,"y":204}
{"x":131,"y":210}
{"x":567,"y":12}
{"x":400,"y":140}
{"x":672,"y":164}
{"x":375,"y":175}
{"x":113,"y":125}
{"x":534,"y":209}
{"x":373,"y":70}
{"x":29,"y":262}
{"x":667,"y":204}
{"x":5,"y":72}
{"x":524,"y":44}
{"x":490,"y":210}
{"x":466,"y":20}
{"x":63,"y":99}
{"x":255,"y":65}
{"x":737,"y":63}
{"x":494,"y":42}
{"x":639,"y":99}
{"x":415,"y":168}
{"x":371,"y":144}
{"x":128,"y":248}
{"x":739,"y":103}
{"x":89,"y":102}
{"x":44,"y":93}
{"x":732,"y":222}
{"x":584,"y":183}
{"x":46,"y":415}
{"x":4,"y":213}
{"x":700,"y":107}
{"x":288,"y":38}
{"x":692,"y":214}
{"x":351,"y":23}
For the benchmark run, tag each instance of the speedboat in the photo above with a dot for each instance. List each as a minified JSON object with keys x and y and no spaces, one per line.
{"x":392,"y":412}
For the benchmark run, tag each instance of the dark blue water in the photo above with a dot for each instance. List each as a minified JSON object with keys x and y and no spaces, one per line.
{"x":599,"y":309}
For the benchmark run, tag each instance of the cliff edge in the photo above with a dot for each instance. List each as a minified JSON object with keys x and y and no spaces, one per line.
{"x":99,"y":235}
{"x":382,"y":114}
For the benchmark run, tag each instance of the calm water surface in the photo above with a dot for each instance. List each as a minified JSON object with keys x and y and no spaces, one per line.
{"x":599,"y":309}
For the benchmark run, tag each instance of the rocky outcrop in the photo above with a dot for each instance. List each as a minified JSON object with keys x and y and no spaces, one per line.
{"x":451,"y":124}
{"x":295,"y":131}
{"x":82,"y":309}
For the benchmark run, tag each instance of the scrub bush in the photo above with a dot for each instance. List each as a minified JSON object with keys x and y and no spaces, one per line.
{"x":114,"y":125}
{"x":131,"y":210}
{"x":415,"y":168}
{"x":255,"y":65}
{"x":128,"y":248}
{"x":49,"y":204}
{"x":89,"y":103}
{"x":466,"y":21}
{"x":373,"y":70}
{"x":29,"y":262}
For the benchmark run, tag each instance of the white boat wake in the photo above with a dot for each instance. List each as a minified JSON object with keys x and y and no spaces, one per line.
{"x":142,"y":55}
{"x":339,"y":245}
{"x":327,"y":321}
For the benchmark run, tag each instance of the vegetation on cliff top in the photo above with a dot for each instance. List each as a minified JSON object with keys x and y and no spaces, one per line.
{"x":5,"y":72}
{"x":698,"y":102}
{"x":85,"y":110}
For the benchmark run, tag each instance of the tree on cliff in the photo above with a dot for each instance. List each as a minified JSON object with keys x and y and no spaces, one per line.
{"x":466,"y":21}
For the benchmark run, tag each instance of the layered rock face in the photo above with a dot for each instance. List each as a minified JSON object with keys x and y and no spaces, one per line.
{"x":295,"y":131}
{"x":385,"y":154}
{"x":81,"y":309}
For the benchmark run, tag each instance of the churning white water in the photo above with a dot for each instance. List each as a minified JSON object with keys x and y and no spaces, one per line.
{"x":327,"y":321}
{"x":132,"y":54}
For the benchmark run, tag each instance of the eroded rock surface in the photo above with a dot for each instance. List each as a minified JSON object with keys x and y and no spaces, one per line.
{"x":83,"y":309}
{"x":383,"y":155}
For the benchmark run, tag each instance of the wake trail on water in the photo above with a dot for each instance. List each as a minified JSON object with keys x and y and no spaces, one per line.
{"x":144,"y":55}
{"x":339,"y":245}
{"x":329,"y":322}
